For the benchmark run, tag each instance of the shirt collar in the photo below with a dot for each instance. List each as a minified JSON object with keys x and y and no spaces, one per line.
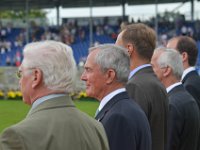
{"x":45,"y":98}
{"x":137,"y":69}
{"x":186,"y":71}
{"x":108,"y":97}
{"x":173,"y":86}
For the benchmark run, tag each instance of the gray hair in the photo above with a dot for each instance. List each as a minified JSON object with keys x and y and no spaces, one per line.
{"x":115,"y":57}
{"x":171,"y":58}
{"x":56,"y":62}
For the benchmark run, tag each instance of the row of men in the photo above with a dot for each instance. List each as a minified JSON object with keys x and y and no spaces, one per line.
{"x":136,"y":111}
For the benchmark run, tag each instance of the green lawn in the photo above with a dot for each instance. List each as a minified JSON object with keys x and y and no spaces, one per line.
{"x":12,"y":111}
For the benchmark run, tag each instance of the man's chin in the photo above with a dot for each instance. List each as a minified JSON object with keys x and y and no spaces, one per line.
{"x":89,"y":94}
{"x":26,"y":102}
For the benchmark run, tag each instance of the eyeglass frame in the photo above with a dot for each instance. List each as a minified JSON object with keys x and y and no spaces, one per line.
{"x":19,"y":72}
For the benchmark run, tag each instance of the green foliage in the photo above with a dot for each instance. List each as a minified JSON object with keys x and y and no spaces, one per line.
{"x":21,"y":14}
{"x":36,"y":13}
{"x":168,"y":16}
{"x":14,"y":111}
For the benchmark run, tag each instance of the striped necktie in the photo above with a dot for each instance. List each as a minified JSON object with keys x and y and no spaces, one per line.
{"x":97,"y":111}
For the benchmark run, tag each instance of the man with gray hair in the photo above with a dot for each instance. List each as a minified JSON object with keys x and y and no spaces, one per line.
{"x":183,"y":110}
{"x":106,"y":73}
{"x":47,"y":76}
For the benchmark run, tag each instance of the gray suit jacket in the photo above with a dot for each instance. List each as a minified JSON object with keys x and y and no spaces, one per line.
{"x":145,"y":88}
{"x":55,"y":125}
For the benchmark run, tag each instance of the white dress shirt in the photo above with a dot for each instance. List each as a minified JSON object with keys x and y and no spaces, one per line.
{"x":108,"y":97}
{"x":173,"y":86}
{"x":137,"y":69}
{"x":186,"y":71}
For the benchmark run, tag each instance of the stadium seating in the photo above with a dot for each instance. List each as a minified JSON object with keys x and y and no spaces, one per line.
{"x":80,"y":45}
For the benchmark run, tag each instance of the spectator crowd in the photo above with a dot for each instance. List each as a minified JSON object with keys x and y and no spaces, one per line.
{"x":76,"y":34}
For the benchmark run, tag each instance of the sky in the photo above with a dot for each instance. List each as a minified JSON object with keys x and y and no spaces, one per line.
{"x":140,"y":11}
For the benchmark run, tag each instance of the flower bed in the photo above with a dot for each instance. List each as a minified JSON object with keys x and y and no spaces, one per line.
{"x":11,"y":94}
{"x":17,"y":95}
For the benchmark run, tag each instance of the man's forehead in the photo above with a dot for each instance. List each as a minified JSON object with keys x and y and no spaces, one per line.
{"x":90,"y":60}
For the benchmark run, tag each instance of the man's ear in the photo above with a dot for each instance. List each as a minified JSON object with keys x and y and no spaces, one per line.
{"x":184,"y":56}
{"x":167,"y":71}
{"x":130,"y":48}
{"x":110,"y":76}
{"x":37,"y":78}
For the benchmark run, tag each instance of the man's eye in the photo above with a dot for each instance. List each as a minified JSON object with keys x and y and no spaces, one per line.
{"x":88,"y":69}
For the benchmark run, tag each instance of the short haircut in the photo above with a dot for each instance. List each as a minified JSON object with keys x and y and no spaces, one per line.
{"x":142,"y":37}
{"x":56,"y":62}
{"x":171,"y":58}
{"x":113,"y":57}
{"x":188,"y":45}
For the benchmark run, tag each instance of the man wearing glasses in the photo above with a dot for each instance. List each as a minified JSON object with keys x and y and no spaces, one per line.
{"x":47,"y":76}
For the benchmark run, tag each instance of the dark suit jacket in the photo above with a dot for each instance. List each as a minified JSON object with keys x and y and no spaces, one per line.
{"x":184,"y":121}
{"x":125,"y":123}
{"x":145,"y":88}
{"x":192,"y":84}
{"x":55,"y":125}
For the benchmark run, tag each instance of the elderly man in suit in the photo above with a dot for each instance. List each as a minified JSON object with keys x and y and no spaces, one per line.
{"x":47,"y":76}
{"x":143,"y":85}
{"x":184,"y":119}
{"x":106,"y":73}
{"x":189,"y":51}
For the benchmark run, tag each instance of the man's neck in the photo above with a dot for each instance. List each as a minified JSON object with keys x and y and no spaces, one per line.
{"x":186,"y":65}
{"x":43,"y":93}
{"x":109,"y":89}
{"x":170,"y":81}
{"x":137,"y":63}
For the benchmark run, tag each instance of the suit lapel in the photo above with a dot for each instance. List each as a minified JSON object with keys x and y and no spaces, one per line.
{"x":176,"y":89}
{"x":110,"y":104}
{"x":190,"y":74}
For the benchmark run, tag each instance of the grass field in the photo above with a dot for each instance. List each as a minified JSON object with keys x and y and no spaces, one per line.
{"x":12,"y":111}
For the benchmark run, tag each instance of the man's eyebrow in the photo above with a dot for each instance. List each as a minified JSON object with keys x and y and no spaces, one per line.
{"x":86,"y":67}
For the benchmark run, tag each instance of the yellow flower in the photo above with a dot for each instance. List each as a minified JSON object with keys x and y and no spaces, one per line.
{"x":82,"y":94}
{"x":1,"y":94}
{"x":11,"y":94}
{"x":18,"y":93}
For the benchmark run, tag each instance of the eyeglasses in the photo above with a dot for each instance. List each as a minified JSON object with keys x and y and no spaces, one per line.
{"x":19,"y":72}
{"x":164,"y":67}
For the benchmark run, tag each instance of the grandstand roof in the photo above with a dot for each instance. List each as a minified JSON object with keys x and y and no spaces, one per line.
{"x":21,"y":4}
